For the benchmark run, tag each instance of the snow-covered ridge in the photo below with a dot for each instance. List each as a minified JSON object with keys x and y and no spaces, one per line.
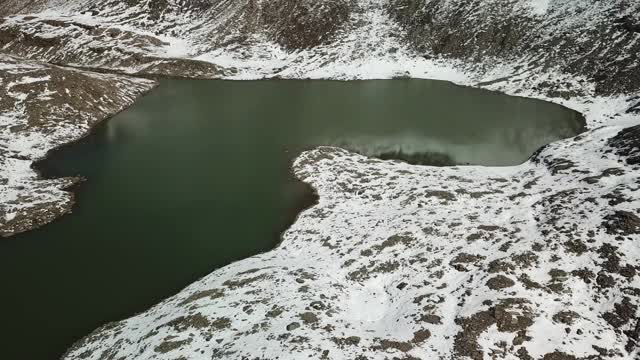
{"x":396,"y":261}
{"x":594,"y":45}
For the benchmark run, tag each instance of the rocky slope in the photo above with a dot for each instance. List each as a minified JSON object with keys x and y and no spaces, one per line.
{"x":397,"y":261}
{"x":595,"y":43}
{"x":163,"y":37}
{"x":596,"y":40}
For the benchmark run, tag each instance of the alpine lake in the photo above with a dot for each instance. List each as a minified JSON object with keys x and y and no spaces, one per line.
{"x":197,"y":174}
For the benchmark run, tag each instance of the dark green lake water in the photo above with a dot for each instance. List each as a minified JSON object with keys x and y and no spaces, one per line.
{"x":196,"y":175}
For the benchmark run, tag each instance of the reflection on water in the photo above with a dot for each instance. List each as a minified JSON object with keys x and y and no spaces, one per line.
{"x":196,"y":175}
{"x":502,"y":146}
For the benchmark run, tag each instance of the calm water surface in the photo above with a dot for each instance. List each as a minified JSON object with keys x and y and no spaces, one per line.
{"x":196,"y":175}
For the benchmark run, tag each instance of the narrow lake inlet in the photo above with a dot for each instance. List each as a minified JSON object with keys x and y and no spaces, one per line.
{"x":197,"y":175}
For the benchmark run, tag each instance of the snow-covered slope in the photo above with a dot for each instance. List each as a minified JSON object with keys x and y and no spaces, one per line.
{"x":597,"y":40}
{"x":396,"y":261}
{"x":596,"y":43}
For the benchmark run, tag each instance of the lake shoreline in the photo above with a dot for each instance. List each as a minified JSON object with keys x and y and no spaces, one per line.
{"x":38,"y":124}
{"x":40,"y":163}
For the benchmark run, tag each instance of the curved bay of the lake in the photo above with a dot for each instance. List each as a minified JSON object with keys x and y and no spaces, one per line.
{"x":196,"y":175}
